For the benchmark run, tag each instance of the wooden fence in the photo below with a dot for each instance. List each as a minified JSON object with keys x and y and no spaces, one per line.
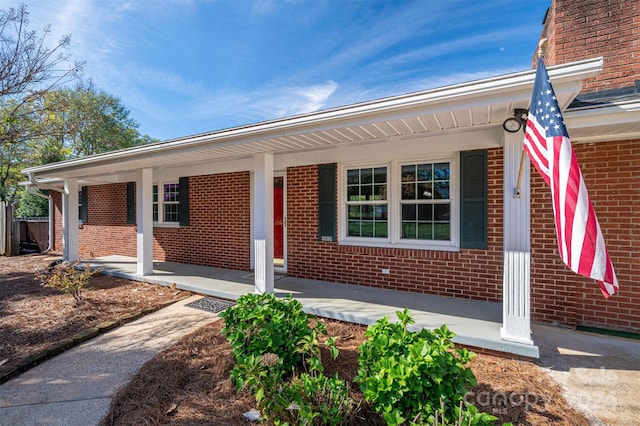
{"x":21,"y":235}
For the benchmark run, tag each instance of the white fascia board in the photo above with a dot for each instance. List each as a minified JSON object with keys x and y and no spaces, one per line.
{"x":495,"y":89}
{"x":601,"y":115}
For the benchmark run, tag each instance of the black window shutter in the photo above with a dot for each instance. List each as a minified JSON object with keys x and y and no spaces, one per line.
{"x":131,"y":209}
{"x":327,"y":202}
{"x":184,"y":200}
{"x":84,"y":201}
{"x":473,"y":199}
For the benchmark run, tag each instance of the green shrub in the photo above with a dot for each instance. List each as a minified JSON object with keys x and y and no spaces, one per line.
{"x":67,"y":278}
{"x":405,"y":374}
{"x":319,"y":400}
{"x":270,"y":337}
{"x":262,"y":323}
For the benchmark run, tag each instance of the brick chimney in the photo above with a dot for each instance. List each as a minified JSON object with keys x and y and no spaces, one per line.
{"x":584,"y":29}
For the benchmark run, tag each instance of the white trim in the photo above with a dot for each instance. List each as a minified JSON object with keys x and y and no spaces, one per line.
{"x":394,"y":239}
{"x":161,"y":223}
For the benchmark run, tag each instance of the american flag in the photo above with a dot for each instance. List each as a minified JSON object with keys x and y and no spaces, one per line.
{"x":546,"y":140}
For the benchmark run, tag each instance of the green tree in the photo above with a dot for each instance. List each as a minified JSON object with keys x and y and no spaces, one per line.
{"x":42,"y":118}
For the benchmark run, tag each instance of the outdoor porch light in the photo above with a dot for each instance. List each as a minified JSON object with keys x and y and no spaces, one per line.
{"x":519,"y":120}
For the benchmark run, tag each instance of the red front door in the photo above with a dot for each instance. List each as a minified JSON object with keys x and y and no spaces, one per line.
{"x":278,"y":220}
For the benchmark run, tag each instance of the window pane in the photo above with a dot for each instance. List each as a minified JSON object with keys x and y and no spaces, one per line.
{"x":380,"y":230}
{"x":155,"y":212}
{"x":441,"y":171}
{"x":367,"y":229}
{"x":442,"y":231}
{"x":381,"y":213}
{"x":441,"y":212}
{"x":425,"y":212}
{"x":366,"y":191}
{"x":408,"y":191}
{"x":425,"y":172}
{"x":171,"y":192}
{"x":425,"y":192}
{"x":380,"y":175}
{"x":353,"y":177}
{"x":380,"y":192}
{"x":353,"y":193}
{"x":409,"y":230}
{"x":409,"y":212}
{"x":171,"y":212}
{"x":425,"y":231}
{"x":441,"y":190}
{"x":367,"y":213}
{"x":155,"y":193}
{"x":353,"y":228}
{"x":408,"y":173}
{"x":354,"y":212}
{"x":366,"y":176}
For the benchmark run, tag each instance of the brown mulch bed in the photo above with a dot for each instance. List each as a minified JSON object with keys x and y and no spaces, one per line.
{"x":34,"y":318}
{"x":189,"y":384}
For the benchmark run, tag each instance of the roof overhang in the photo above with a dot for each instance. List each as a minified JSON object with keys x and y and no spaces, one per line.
{"x":474,"y":106}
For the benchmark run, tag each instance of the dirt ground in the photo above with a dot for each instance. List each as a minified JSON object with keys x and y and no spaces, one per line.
{"x":33,"y":318}
{"x":189,"y":384}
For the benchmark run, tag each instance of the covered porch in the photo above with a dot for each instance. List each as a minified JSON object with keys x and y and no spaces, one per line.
{"x":475,"y":323}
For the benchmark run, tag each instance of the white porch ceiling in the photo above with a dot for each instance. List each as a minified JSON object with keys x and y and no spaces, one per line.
{"x":475,"y":106}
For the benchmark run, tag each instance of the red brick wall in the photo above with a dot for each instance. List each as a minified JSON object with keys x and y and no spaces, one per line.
{"x":219,"y":224}
{"x":218,"y":233}
{"x":57,"y":221}
{"x":560,"y":296}
{"x":585,"y":29}
{"x":106,"y":231}
{"x":475,"y":274}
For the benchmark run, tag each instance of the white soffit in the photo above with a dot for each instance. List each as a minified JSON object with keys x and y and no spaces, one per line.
{"x":470,"y":106}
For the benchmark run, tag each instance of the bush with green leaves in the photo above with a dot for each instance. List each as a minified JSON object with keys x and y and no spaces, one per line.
{"x":270,"y":337}
{"x":262,"y":323}
{"x":67,"y":277}
{"x":406,"y":374}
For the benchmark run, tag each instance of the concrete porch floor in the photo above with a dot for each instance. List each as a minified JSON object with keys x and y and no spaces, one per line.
{"x":475,"y":323}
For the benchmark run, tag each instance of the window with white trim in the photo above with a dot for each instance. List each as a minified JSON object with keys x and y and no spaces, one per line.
{"x":425,"y":201}
{"x":367,"y":202}
{"x":166,"y":202}
{"x":404,"y":204}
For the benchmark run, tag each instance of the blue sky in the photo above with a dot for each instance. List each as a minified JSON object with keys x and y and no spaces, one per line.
{"x":184,"y":67}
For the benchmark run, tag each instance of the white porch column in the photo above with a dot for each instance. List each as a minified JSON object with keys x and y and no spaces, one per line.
{"x":70,"y":217}
{"x":144,"y":220}
{"x":516,"y":310}
{"x":263,"y":222}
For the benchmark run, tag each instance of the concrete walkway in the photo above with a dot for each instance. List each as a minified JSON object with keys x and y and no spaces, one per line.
{"x":75,"y":388}
{"x":475,"y":323}
{"x":599,"y":375}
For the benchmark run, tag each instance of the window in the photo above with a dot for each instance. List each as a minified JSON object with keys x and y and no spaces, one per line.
{"x":425,"y":202}
{"x":166,"y":203}
{"x":404,"y":204}
{"x":367,"y":202}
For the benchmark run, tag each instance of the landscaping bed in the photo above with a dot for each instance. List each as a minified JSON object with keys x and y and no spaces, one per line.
{"x":37,"y":322}
{"x":189,"y":384}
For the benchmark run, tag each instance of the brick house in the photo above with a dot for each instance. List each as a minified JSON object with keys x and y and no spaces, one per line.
{"x":410,"y":193}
